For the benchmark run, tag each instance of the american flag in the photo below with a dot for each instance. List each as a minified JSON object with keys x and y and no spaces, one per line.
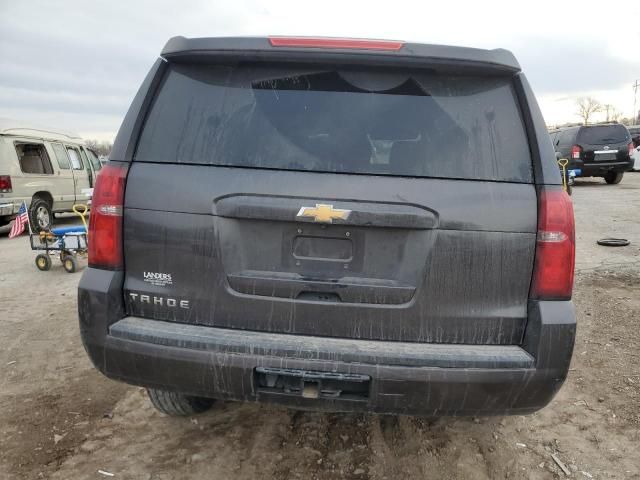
{"x":22,"y":219}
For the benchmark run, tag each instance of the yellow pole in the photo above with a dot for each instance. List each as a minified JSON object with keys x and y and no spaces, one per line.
{"x":81,"y":210}
{"x":563,"y":162}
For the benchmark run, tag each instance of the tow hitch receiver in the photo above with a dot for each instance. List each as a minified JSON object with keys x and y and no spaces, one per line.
{"x":312,"y":384}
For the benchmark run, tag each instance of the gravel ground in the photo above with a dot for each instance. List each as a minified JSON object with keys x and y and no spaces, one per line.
{"x":60,"y":419}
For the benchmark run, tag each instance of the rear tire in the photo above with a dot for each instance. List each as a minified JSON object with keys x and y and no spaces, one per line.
{"x":40,"y":215}
{"x":177,"y":404}
{"x":43,"y":262}
{"x":613,"y":178}
{"x":70,"y":263}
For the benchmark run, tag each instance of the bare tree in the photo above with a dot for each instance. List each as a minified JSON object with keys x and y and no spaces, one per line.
{"x":101,"y":148}
{"x":587,"y":106}
{"x":613,"y":114}
{"x":616,"y":115}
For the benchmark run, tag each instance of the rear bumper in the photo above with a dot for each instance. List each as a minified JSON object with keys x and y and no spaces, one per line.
{"x":400,"y":378}
{"x":594,"y":169}
{"x":7,"y":209}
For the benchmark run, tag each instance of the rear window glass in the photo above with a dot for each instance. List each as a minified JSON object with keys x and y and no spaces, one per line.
{"x":34,"y":158}
{"x":326,"y":120}
{"x":603,"y":134}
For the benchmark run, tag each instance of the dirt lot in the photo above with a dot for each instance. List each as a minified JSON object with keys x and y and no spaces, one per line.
{"x":60,"y":419}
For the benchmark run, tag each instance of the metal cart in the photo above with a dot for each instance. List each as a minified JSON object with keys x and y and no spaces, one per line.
{"x":66,"y":242}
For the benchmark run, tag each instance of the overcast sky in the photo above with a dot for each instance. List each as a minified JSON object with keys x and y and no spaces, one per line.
{"x":76,"y":65}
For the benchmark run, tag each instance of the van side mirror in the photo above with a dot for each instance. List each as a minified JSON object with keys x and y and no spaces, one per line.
{"x":558,"y":155}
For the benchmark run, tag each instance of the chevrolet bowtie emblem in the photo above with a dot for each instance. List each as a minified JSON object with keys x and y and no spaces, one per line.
{"x":323,"y":213}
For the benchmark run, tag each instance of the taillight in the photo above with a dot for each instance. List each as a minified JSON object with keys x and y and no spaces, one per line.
{"x":5,"y":184}
{"x":345,"y":43}
{"x":105,"y":222}
{"x":555,"y":246}
{"x":631,"y":149}
{"x":576,"y":151}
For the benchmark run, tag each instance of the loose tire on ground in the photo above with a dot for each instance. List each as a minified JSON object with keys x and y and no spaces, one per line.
{"x":40,"y":214}
{"x":43,"y":262}
{"x":613,"y":178}
{"x":177,"y":404}
{"x":613,"y":242}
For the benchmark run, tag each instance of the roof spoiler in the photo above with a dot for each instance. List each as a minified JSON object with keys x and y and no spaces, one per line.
{"x":353,"y":51}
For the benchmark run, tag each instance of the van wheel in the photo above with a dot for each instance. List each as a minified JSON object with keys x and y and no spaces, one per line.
{"x":177,"y":404}
{"x":40,"y":215}
{"x":613,"y":178}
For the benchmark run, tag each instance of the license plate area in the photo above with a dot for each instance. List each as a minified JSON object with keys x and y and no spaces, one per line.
{"x":323,"y":248}
{"x":312,"y":384}
{"x":605,"y":155}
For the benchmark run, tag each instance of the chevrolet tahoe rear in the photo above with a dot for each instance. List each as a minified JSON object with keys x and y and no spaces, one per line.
{"x":332,"y":224}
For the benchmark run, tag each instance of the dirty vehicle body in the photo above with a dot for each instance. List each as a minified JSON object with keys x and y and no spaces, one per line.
{"x":49,"y":170}
{"x":327,"y":224}
{"x":599,"y":150}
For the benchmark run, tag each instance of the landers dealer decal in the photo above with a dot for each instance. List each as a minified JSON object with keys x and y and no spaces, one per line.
{"x":158,"y":279}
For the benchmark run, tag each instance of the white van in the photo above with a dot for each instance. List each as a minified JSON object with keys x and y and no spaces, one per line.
{"x":48,"y":169}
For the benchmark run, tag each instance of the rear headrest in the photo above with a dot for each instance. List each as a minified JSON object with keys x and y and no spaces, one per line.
{"x":357,"y":154}
{"x":31,"y":164}
{"x":407,"y":156}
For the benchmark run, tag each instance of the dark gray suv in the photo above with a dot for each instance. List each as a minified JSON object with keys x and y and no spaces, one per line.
{"x":332,"y":224}
{"x":601,"y":150}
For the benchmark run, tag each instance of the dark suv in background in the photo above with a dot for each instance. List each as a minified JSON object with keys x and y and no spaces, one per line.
{"x":347,"y":225}
{"x":603,"y":150}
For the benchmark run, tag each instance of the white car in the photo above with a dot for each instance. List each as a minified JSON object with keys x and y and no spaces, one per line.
{"x":635,"y":136}
{"x":636,"y":157}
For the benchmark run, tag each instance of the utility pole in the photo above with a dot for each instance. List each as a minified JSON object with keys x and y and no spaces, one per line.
{"x":635,"y":94}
